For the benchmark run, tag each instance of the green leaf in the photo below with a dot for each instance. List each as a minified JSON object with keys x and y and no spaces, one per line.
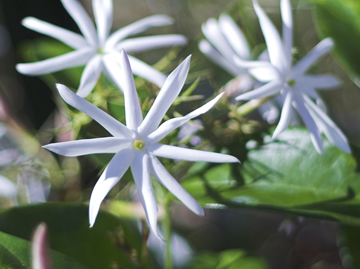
{"x":229,"y":259}
{"x":15,"y":253}
{"x":111,"y":242}
{"x":340,"y":20}
{"x":287,"y":175}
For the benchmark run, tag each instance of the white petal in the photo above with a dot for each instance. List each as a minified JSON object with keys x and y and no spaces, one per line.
{"x":191,"y":155}
{"x":331,"y":130}
{"x":269,"y":111}
{"x":103,"y":13}
{"x":309,"y":122}
{"x":90,"y":76}
{"x":266,"y":90}
{"x":285,"y":114}
{"x":287,"y":30}
{"x":213,"y":34}
{"x":320,"y":81}
{"x":111,"y":175}
{"x":318,"y":51}
{"x":264,"y":73}
{"x":82,"y":19}
{"x":112,"y":69}
{"x":234,"y":36}
{"x":170,"y":125}
{"x":132,"y":105}
{"x":71,"y":39}
{"x":164,"y":177}
{"x":7,"y":187}
{"x":140,"y":44}
{"x":219,"y":59}
{"x":147,"y":72}
{"x":306,"y":88}
{"x":89,"y":146}
{"x":165,"y":98}
{"x":272,"y":38}
{"x":113,"y":126}
{"x":71,"y":59}
{"x":141,"y":173}
{"x":136,"y":28}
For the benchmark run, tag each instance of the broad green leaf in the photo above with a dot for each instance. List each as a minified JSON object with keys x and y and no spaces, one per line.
{"x":111,"y":242}
{"x":15,"y":253}
{"x":287,"y":176}
{"x":341,"y":21}
{"x":229,"y":259}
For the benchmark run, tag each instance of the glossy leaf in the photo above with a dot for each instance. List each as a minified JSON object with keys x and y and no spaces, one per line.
{"x":110,"y":242}
{"x":15,"y":253}
{"x":287,"y":175}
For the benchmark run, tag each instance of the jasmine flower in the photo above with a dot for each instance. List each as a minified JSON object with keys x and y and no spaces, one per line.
{"x":136,"y":145}
{"x":97,"y":49}
{"x":298,"y":88}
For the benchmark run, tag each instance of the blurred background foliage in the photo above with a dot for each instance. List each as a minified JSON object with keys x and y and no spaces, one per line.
{"x":284,"y":207}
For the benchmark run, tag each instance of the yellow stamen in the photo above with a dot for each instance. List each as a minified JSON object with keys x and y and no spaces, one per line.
{"x":291,"y":82}
{"x":139,"y":144}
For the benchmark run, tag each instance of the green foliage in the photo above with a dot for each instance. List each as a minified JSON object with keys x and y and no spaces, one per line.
{"x":286,"y":175}
{"x":340,"y":20}
{"x":229,"y":259}
{"x":15,"y":253}
{"x":111,"y":243}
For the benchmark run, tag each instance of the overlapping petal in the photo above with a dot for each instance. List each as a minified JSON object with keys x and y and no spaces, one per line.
{"x":286,"y":113}
{"x":103,"y":13}
{"x":90,"y":76}
{"x":287,"y":31}
{"x":266,"y":90}
{"x":321,"y":82}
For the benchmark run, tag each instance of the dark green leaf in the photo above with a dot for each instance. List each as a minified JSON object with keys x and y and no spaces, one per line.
{"x":111,"y":242}
{"x":287,"y":176}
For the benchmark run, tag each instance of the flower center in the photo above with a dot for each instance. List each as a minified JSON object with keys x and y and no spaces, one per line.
{"x":291,"y":82}
{"x":139,"y":144}
{"x":100,"y":51}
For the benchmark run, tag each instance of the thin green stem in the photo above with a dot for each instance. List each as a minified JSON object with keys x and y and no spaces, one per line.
{"x":250,"y":106}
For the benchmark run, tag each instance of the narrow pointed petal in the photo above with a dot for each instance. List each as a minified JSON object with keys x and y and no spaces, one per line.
{"x":113,"y":126}
{"x":165,"y":98}
{"x":132,"y":105}
{"x":140,"y":169}
{"x":103,"y":13}
{"x":170,"y":125}
{"x":40,"y":251}
{"x":318,"y":51}
{"x":136,"y":28}
{"x":71,"y":39}
{"x":71,"y":59}
{"x":287,"y":30}
{"x":147,"y":72}
{"x":272,"y":39}
{"x":140,"y":44}
{"x":213,"y":34}
{"x":90,"y":76}
{"x":167,"y":180}
{"x":331,"y":130}
{"x":320,"y":81}
{"x":219,"y":59}
{"x":8,"y":188}
{"x":112,"y":69}
{"x":264,"y":73}
{"x":89,"y":146}
{"x":266,"y":90}
{"x":234,"y":36}
{"x":306,"y":88}
{"x":111,"y":175}
{"x":309,"y":122}
{"x":191,"y":155}
{"x":285,"y":114}
{"x":82,"y":19}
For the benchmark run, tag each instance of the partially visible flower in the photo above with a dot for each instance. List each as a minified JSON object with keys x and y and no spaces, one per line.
{"x":136,"y":145}
{"x":226,"y":42}
{"x":97,"y":49}
{"x":297,"y":87}
{"x":40,"y":251}
{"x":188,"y":130}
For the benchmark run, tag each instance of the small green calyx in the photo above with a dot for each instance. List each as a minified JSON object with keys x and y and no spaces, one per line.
{"x":101,"y":51}
{"x":139,"y":144}
{"x":291,"y":82}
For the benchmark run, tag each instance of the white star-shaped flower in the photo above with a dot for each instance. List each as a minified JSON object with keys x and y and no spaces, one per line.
{"x":136,"y":145}
{"x":97,"y":49}
{"x":291,"y":81}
